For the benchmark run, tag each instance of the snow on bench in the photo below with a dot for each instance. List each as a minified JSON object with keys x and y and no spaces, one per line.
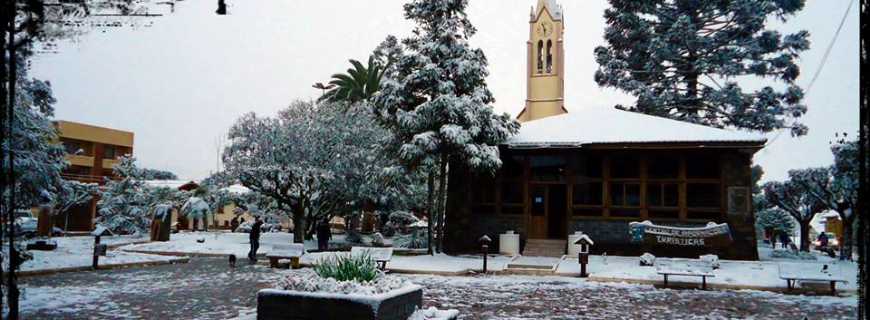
{"x":380,"y":255}
{"x":810,"y":272}
{"x":685,"y":267}
{"x":285,"y":251}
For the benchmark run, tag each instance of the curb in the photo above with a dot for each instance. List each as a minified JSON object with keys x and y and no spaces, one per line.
{"x":188,"y":254}
{"x":45,"y":272}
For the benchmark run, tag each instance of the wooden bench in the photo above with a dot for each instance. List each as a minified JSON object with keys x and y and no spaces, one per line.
{"x":286,"y":251}
{"x":380,"y":255}
{"x":688,"y":268}
{"x":814,"y":272}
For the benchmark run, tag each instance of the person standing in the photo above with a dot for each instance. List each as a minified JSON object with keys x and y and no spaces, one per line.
{"x":234,"y":224}
{"x":255,"y":239}
{"x":323,"y":235}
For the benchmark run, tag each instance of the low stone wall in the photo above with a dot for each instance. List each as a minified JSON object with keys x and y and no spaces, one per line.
{"x":282,"y":304}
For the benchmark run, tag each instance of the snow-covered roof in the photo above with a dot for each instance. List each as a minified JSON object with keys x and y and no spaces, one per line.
{"x":236,"y":189}
{"x":175,"y":184}
{"x":598,"y":125}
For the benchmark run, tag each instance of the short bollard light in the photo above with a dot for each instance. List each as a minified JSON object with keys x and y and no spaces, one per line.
{"x":484,"y":247}
{"x":583,"y":257}
{"x":99,"y":249}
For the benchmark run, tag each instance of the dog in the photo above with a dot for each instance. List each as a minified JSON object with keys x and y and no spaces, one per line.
{"x":232,"y":261}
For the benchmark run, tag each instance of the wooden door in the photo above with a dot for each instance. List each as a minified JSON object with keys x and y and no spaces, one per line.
{"x":538,"y":211}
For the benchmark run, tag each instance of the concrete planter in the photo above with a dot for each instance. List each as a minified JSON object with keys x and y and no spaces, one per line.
{"x":282,"y":304}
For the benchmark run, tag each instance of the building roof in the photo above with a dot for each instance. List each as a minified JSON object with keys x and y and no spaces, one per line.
{"x":600,"y":125}
{"x":174,"y":184}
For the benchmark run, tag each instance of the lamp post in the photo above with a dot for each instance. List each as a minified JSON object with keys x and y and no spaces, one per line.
{"x":583,"y":256}
{"x":484,"y":247}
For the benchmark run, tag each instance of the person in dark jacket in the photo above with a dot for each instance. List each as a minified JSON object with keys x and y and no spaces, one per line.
{"x":783,"y":239}
{"x":255,"y":239}
{"x":234,"y":224}
{"x":323,"y":235}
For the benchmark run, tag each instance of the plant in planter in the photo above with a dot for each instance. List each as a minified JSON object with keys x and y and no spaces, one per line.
{"x":340,"y":287}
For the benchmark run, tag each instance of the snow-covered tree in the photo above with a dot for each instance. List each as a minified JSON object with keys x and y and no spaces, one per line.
{"x":775,"y":219}
{"x":125,"y":204}
{"x":435,"y":99}
{"x":38,"y":159}
{"x":196,"y":209}
{"x":157,"y":174}
{"x":837,"y":188}
{"x":793,"y":197}
{"x":314,"y":160}
{"x":72,"y":193}
{"x":682,"y":60}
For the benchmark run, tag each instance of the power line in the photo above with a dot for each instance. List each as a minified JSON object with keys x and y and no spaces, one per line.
{"x":824,"y":61}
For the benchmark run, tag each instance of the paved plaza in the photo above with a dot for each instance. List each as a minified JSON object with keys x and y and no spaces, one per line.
{"x":206,"y":288}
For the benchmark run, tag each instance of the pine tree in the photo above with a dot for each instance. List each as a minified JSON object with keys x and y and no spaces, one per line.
{"x":682,"y":59}
{"x":125,"y":204}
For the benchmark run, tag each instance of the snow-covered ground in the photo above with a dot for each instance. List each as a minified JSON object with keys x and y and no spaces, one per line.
{"x":76,"y":252}
{"x":215,"y":243}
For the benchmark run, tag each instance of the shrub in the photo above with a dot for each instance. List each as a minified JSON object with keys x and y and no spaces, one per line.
{"x":360,"y":268}
{"x":415,"y":240}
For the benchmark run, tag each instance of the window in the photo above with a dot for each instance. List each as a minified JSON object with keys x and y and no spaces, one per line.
{"x":588,"y":193}
{"x":512,"y":192}
{"x":540,"y":56}
{"x":587,"y":167}
{"x":539,"y":205}
{"x":624,"y":194}
{"x":622,"y":167}
{"x":547,"y":168}
{"x":703,"y":195}
{"x":72,"y":147}
{"x":109,"y":152}
{"x":663,"y":167}
{"x":513,"y":167}
{"x":483,"y":190}
{"x":702,"y":167}
{"x":662,"y":194}
{"x":549,"y":56}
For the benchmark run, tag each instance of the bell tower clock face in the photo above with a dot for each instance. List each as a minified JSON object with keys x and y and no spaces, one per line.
{"x":545,"y":29}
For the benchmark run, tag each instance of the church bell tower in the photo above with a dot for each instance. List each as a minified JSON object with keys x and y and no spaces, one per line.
{"x":545,"y":67}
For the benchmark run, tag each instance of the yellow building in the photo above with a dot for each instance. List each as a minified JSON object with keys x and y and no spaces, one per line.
{"x":92,"y":152}
{"x":545,"y":67}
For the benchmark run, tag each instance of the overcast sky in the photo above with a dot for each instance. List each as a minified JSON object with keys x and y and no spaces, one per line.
{"x":182,"y":82}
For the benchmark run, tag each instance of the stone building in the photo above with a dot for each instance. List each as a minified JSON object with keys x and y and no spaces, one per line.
{"x":597,"y":169}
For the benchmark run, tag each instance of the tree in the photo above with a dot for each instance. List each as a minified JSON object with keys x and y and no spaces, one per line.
{"x":125,"y":203}
{"x":682,"y":59}
{"x":156,"y":174}
{"x":793,"y":197}
{"x":436,"y":102}
{"x":195,"y":208}
{"x":776,"y":220}
{"x":314,"y":160}
{"x":358,"y":84}
{"x":72,"y":193}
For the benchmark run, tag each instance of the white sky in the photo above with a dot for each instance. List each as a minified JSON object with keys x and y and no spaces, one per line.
{"x":181,"y":83}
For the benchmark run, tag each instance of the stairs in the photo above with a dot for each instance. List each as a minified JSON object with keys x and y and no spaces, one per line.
{"x":545,"y":248}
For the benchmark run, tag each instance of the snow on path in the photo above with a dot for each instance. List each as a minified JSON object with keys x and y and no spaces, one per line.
{"x":76,"y":252}
{"x":215,"y":243}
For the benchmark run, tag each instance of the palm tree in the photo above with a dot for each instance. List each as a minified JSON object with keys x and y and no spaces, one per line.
{"x":358,"y":84}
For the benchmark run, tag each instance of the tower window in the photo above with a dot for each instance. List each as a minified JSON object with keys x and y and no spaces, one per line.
{"x":540,"y":56}
{"x":549,"y":56}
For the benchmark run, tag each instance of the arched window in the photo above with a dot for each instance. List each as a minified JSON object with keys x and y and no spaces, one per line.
{"x":549,"y":56}
{"x":540,"y":56}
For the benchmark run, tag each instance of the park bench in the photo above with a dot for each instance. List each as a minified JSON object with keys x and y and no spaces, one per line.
{"x":286,"y":251}
{"x":688,"y":268}
{"x":814,"y":272}
{"x":380,"y":255}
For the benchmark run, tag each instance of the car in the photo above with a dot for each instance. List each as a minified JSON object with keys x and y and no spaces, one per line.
{"x":25,"y":223}
{"x":266,"y":227}
{"x":833,"y":243}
